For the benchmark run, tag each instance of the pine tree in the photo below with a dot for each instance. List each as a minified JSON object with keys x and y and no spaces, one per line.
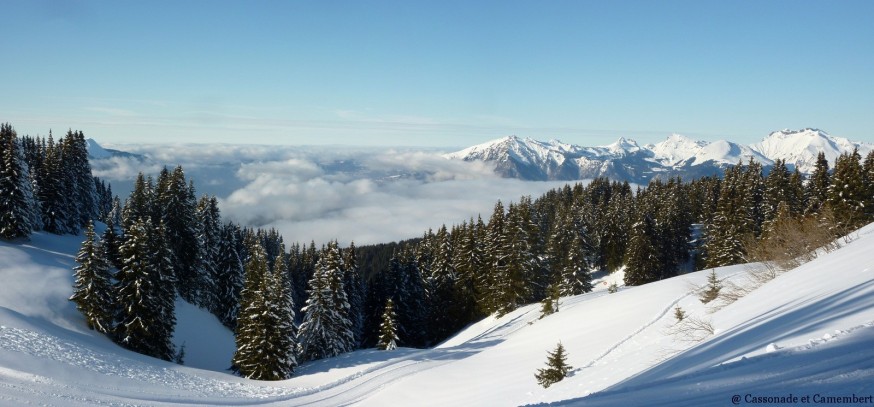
{"x":326,"y":330}
{"x":443,"y":312}
{"x":679,"y":314}
{"x":711,"y":292}
{"x":388,"y":335}
{"x":495,"y":279}
{"x":143,"y":309}
{"x":161,"y":270}
{"x":16,"y":201}
{"x":92,"y":290}
{"x":176,"y":207}
{"x":209,"y":231}
{"x":549,"y":304}
{"x":642,"y":256}
{"x":777,"y":190}
{"x":250,"y":358}
{"x":280,"y":321}
{"x":848,"y":192}
{"x":111,"y":242}
{"x":818,"y":185}
{"x":556,"y":367}
{"x":468,"y":263}
{"x":731,"y":224}
{"x":229,"y":277}
{"x":83,"y":194}
{"x":53,"y":191}
{"x":354,"y":286}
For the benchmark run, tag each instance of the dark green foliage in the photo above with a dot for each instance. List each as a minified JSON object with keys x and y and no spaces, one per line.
{"x":229,"y":277}
{"x":175,"y":205}
{"x":145,"y":318}
{"x":642,"y":258}
{"x":92,"y":288}
{"x":549,"y":304}
{"x":818,"y":185}
{"x":388,"y":335}
{"x":265,"y":331}
{"x":326,"y":330}
{"x":711,"y":291}
{"x":848,"y":191}
{"x":556,"y":368}
{"x":16,"y":197}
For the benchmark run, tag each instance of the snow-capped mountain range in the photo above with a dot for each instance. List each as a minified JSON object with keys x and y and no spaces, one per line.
{"x":530,"y":159}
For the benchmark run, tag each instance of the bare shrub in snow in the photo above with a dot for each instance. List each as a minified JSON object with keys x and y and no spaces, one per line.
{"x":691,"y":329}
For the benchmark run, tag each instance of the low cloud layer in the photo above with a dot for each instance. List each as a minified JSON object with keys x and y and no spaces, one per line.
{"x":319,"y":193}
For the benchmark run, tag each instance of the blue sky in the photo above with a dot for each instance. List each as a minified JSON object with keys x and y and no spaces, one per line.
{"x":439,"y":73}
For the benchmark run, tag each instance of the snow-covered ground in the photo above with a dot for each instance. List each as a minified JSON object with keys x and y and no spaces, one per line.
{"x":808,"y":332}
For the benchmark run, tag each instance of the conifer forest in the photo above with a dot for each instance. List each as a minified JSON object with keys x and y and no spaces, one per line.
{"x":293,"y":302}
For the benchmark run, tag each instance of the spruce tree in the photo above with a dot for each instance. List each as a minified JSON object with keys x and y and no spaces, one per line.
{"x":818,"y":185}
{"x":16,"y":202}
{"x":468,"y":263}
{"x":326,"y":330}
{"x":280,"y":320}
{"x":711,"y":291}
{"x":142,"y":304}
{"x":354,"y":286}
{"x":848,"y":192}
{"x":92,"y":289}
{"x":388,"y":335}
{"x":229,"y":278}
{"x":209,"y":229}
{"x":556,"y":367}
{"x":642,"y":257}
{"x":549,"y":304}
{"x":161,"y":270}
{"x":443,"y":312}
{"x":250,"y":358}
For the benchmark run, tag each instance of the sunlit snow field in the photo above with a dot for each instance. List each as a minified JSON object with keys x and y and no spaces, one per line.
{"x":808,"y":331}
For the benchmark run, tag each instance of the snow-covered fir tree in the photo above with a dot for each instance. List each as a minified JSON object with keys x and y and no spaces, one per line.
{"x":251,"y":332}
{"x":848,"y":192}
{"x":92,"y":287}
{"x":16,"y":198}
{"x":229,"y":277}
{"x":642,"y":258}
{"x":326,"y":330}
{"x":388,"y":335}
{"x":143,"y":323}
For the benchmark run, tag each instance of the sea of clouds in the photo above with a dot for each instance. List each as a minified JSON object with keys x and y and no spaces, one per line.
{"x":366,"y":195}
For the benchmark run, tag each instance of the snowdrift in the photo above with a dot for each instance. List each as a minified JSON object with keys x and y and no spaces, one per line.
{"x":808,"y":332}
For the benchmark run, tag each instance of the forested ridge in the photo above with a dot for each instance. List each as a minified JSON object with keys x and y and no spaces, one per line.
{"x":302,"y":301}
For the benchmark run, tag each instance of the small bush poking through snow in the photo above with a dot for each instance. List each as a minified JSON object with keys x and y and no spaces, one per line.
{"x":679,"y":314}
{"x":711,"y":291}
{"x":556,"y":367}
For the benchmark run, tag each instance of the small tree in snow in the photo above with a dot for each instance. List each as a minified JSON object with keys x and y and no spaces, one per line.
{"x":556,"y":367}
{"x":679,"y":314}
{"x":388,"y":336}
{"x":549,"y":305}
{"x":712,"y":290}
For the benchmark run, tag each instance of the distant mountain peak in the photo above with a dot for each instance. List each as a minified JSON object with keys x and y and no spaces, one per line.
{"x":799,"y":148}
{"x":97,"y":152}
{"x":625,"y":159}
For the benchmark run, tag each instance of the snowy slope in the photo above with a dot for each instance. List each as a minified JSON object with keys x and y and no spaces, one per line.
{"x":808,"y":331}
